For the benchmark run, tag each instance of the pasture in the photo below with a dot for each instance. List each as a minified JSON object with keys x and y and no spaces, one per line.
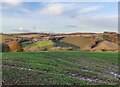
{"x":60,"y":68}
{"x":44,"y":43}
{"x":77,"y":41}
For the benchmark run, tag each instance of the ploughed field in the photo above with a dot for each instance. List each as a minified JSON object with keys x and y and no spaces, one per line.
{"x":60,"y":68}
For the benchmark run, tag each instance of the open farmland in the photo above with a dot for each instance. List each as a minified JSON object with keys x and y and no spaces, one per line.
{"x":3,"y":37}
{"x":77,"y":41}
{"x":44,"y":43}
{"x":60,"y":68}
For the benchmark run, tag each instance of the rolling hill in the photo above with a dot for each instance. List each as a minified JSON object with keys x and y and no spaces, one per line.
{"x":77,"y":41}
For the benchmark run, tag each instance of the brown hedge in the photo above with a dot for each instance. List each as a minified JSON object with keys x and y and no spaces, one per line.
{"x":15,"y":46}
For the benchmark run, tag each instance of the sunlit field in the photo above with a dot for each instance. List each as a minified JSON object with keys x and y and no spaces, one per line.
{"x":60,"y":68}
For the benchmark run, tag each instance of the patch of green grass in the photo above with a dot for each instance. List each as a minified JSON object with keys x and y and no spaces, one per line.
{"x":23,"y":77}
{"x":53,"y":67}
{"x":44,"y":43}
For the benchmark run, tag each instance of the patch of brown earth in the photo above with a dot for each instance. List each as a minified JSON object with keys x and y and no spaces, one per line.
{"x":101,"y":46}
{"x":61,"y":48}
{"x":35,"y":48}
{"x":15,"y":46}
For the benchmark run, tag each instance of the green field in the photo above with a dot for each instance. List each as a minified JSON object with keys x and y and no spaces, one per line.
{"x":44,"y":43}
{"x":60,"y":68}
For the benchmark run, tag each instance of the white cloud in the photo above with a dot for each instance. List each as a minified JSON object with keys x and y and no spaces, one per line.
{"x":21,"y":30}
{"x":53,"y":9}
{"x":106,"y":21}
{"x":11,"y":21}
{"x":11,"y":3}
{"x":57,"y":8}
{"x":82,"y":20}
{"x":99,"y":22}
{"x":13,"y":24}
{"x":17,"y":30}
{"x":26,"y":10}
{"x":90,"y":9}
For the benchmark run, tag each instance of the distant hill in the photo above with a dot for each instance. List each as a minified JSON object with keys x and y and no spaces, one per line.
{"x":4,"y":37}
{"x":81,"y":42}
{"x":106,"y":41}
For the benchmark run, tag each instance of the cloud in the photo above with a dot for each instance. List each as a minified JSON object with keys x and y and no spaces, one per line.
{"x":53,"y":9}
{"x":90,"y":9}
{"x":58,"y":8}
{"x":96,"y":22}
{"x":8,"y":21}
{"x":99,"y":22}
{"x":12,"y":24}
{"x":11,"y":3}
{"x":105,"y":21}
{"x":21,"y":30}
{"x":26,"y":10}
{"x":59,"y":16}
{"x":71,"y":26}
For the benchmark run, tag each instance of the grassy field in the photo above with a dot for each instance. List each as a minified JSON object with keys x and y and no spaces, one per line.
{"x":44,"y":43}
{"x":60,"y":68}
{"x":77,"y":41}
{"x":3,"y":37}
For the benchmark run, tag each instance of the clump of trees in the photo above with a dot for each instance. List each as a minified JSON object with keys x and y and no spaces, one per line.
{"x":25,"y":41}
{"x":4,"y":47}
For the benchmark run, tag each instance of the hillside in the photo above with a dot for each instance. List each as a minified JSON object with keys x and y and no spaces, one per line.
{"x":77,"y":41}
{"x":4,"y":37}
{"x":106,"y":45}
{"x":100,"y":46}
{"x":43,"y":43}
{"x":38,"y":46}
{"x":74,"y":41}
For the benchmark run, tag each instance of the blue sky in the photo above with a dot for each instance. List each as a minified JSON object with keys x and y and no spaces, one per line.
{"x":59,"y":17}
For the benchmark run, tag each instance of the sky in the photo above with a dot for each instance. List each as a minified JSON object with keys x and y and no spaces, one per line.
{"x":59,"y":17}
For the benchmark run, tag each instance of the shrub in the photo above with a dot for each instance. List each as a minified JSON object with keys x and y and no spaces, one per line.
{"x":15,"y":47}
{"x":4,"y":47}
